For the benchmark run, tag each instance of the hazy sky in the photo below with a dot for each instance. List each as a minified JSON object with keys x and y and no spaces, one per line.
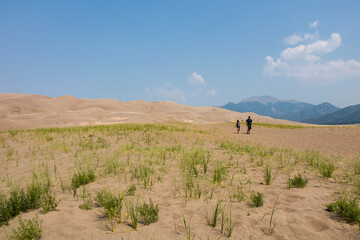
{"x":199,"y":53}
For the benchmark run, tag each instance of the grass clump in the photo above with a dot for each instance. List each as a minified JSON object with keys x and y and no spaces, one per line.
{"x":268,"y":175}
{"x":239,"y":194}
{"x":220,"y":173}
{"x":48,"y":201}
{"x":131,"y":190}
{"x":149,"y":213}
{"x":327,"y":169}
{"x":347,"y":207}
{"x":87,"y":204}
{"x":37,"y":195}
{"x":187,"y":225}
{"x":28,"y":229}
{"x":133,"y":214}
{"x":272,"y":225}
{"x":143,"y":173}
{"x":257,"y":199}
{"x":298,"y":182}
{"x":5,"y":214}
{"x":112,"y":204}
{"x":82,"y":178}
{"x":227,"y":225}
{"x":214,"y":214}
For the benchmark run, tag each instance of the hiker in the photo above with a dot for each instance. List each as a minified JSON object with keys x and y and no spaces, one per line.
{"x":238,"y":126}
{"x":248,"y":123}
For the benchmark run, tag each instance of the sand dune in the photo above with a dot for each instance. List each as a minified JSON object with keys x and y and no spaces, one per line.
{"x":300,"y":213}
{"x":19,"y":111}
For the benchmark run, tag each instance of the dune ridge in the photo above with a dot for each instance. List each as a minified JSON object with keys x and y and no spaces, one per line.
{"x":21,"y":111}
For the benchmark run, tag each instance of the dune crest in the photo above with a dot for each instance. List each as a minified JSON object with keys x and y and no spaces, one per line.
{"x":19,"y":111}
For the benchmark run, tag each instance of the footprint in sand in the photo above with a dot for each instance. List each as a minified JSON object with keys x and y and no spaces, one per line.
{"x":318,"y":225}
{"x":295,"y":197}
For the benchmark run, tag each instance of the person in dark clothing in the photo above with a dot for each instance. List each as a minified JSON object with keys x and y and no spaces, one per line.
{"x":248,"y":123}
{"x":238,"y":126}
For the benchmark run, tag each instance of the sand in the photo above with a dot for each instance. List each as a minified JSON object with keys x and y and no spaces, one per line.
{"x":300,"y":213}
{"x":21,"y":111}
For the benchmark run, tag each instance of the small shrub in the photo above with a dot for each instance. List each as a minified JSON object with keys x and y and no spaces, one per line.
{"x":33,"y":194}
{"x":298,"y":182}
{"x":356,"y":165}
{"x":257,"y":199}
{"x":327,"y":169}
{"x":131,"y":190}
{"x":87,"y":204}
{"x":112,"y":205}
{"x":347,"y":207}
{"x":149,"y":213}
{"x":48,"y":201}
{"x":82,"y":178}
{"x":28,"y":229}
{"x":356,"y":183}
{"x":5,"y":214}
{"x":19,"y":201}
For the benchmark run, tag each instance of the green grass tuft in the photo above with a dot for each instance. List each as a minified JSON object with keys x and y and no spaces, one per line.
{"x":298,"y":182}
{"x":28,"y":229}
{"x":257,"y":199}
{"x":347,"y":207}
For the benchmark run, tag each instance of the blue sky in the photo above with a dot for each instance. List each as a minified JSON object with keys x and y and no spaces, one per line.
{"x":198,"y":53}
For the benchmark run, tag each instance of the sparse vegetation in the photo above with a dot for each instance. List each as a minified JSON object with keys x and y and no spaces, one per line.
{"x":257,"y":199}
{"x":81,"y":178}
{"x":268,"y":175}
{"x":48,"y":201}
{"x":37,"y":194}
{"x":139,"y":160}
{"x":131,"y":190}
{"x":227,"y":225}
{"x":28,"y":229}
{"x":148,"y":213}
{"x":327,"y":169}
{"x":214,"y":214}
{"x":132,"y":214}
{"x":272,"y":225}
{"x":347,"y":207}
{"x":112,"y":205}
{"x":187,"y":224}
{"x":298,"y":181}
{"x":220,"y":173}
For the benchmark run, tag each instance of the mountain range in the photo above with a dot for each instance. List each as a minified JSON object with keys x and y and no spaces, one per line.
{"x":348,"y":115}
{"x":324,"y":113}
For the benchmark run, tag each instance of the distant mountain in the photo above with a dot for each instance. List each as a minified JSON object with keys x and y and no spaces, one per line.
{"x":266,"y":100}
{"x":348,"y":115}
{"x":282,"y":109}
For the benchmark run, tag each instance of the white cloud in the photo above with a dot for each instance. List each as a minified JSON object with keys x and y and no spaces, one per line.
{"x":211,"y":93}
{"x":304,"y":62}
{"x":167,"y":92}
{"x":295,"y":38}
{"x":314,"y":24}
{"x":196,"y":79}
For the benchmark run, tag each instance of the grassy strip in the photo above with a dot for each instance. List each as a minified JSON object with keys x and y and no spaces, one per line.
{"x":179,"y":127}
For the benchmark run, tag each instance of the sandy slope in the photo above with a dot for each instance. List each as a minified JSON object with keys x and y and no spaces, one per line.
{"x":300,"y":213}
{"x":19,"y":111}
